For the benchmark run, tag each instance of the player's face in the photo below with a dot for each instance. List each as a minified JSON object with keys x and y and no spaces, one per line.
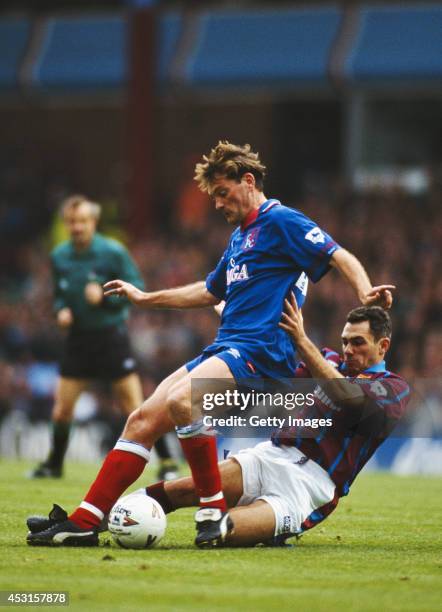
{"x":234,"y":200}
{"x":81,"y":225}
{"x":359,"y":347}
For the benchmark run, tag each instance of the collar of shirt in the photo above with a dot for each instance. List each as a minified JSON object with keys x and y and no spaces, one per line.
{"x":91,"y":248}
{"x":253,"y":214}
{"x":377,"y":367}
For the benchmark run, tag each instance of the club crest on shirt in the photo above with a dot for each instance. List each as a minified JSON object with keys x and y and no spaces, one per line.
{"x":251,"y":239}
{"x":378,"y":389}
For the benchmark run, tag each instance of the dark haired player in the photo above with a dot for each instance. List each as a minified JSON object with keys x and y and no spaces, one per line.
{"x":286,"y":486}
{"x":273,"y":251}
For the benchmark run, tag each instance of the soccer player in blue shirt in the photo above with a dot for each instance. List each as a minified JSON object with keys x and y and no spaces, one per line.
{"x":273,"y":251}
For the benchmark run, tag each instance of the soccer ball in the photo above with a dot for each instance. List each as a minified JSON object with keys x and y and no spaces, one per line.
{"x":137,"y":521}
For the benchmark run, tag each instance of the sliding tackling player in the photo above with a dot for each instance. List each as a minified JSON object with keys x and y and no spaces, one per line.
{"x":286,"y":486}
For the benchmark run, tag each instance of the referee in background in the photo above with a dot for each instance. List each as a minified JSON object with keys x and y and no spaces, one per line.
{"x":97,"y":344}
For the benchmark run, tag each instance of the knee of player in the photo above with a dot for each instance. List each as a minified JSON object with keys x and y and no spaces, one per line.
{"x":179,"y":407}
{"x":137,"y":427}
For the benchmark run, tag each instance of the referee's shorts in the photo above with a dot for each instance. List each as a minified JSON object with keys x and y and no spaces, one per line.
{"x":103,"y":354}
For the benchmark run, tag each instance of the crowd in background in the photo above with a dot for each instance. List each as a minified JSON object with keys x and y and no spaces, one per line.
{"x":395,"y":235}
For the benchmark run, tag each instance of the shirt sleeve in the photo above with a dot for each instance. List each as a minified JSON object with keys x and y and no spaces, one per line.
{"x":385,"y":403}
{"x":59,"y":298}
{"x":330,"y":355}
{"x":216,"y":280}
{"x":309,"y":246}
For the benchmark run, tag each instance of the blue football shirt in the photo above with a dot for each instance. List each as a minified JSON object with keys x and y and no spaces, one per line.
{"x":275,"y":252}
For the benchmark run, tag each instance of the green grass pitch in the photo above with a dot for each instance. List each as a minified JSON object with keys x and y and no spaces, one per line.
{"x":380,"y":550}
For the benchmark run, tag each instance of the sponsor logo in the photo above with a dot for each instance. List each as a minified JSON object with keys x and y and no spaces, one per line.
{"x":251,"y":239}
{"x":121,"y":517}
{"x":324,"y":399}
{"x":235,"y":353}
{"x":315,"y":235}
{"x":128,"y":522}
{"x":236,"y":272}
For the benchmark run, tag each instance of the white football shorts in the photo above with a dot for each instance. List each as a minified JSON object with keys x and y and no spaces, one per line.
{"x":293,"y":490}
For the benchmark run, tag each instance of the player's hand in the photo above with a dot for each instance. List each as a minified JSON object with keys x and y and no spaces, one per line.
{"x":291,"y":319}
{"x":93,"y":292}
{"x":218,"y":308}
{"x":65,"y":318}
{"x":379,"y":296}
{"x":123,"y":289}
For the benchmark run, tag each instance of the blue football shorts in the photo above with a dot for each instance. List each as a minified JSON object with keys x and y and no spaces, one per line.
{"x":240,"y":365}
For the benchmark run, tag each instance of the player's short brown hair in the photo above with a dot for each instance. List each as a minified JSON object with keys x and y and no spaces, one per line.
{"x":378,"y":319}
{"x":74,"y":201}
{"x":230,"y":161}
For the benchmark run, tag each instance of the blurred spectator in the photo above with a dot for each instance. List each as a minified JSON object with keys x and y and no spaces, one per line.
{"x":192,"y":206}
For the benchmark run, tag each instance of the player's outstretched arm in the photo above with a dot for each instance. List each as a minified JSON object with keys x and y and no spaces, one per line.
{"x":338,"y":387}
{"x":195,"y":295}
{"x":353,"y":271}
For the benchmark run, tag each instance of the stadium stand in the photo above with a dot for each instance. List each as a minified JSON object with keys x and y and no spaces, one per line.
{"x":82,"y":52}
{"x":14,"y":36}
{"x":289,"y":46}
{"x":78,"y":53}
{"x":169,"y":30}
{"x":397,"y":43}
{"x":287,"y":49}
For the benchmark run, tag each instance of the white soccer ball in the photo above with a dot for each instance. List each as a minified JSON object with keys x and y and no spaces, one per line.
{"x":137,"y":521}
